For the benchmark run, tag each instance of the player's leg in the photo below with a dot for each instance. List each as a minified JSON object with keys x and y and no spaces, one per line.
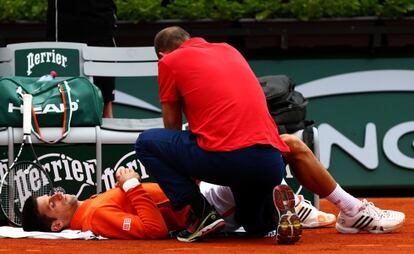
{"x":309,"y":172}
{"x":107,"y":87}
{"x":306,"y":168}
{"x":221,"y":197}
{"x":355,"y":215}
{"x":105,"y":84}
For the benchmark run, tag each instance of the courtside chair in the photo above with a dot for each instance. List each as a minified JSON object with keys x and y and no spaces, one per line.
{"x":5,"y":59}
{"x":35,"y":59}
{"x":121,"y":62}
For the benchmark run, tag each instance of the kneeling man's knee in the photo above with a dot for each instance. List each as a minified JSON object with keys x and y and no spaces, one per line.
{"x":143,"y":139}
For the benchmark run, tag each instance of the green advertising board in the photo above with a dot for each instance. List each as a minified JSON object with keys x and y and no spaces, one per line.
{"x":362,"y":108}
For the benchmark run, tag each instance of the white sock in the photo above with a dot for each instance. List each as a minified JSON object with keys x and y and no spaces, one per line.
{"x":344,"y":201}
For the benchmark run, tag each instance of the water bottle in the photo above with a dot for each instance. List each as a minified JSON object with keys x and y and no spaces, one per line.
{"x":48,"y":77}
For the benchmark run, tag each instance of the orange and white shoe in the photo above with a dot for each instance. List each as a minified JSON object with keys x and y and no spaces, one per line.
{"x":310,"y":216}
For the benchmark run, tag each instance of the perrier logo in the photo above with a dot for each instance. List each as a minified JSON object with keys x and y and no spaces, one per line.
{"x":36,"y":62}
{"x":45,"y":57}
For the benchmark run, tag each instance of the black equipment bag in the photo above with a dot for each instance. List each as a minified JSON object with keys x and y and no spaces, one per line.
{"x":287,"y":106}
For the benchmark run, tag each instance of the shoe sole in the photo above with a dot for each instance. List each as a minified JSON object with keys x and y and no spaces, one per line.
{"x":289,"y":229}
{"x":318,"y":224}
{"x":202,"y":233}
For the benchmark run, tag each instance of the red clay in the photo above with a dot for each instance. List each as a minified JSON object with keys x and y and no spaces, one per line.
{"x":325,"y":240}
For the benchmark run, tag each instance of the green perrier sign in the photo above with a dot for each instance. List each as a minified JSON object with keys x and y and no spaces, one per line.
{"x":40,"y":61}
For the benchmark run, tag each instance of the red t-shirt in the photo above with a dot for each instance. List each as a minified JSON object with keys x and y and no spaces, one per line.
{"x":222,"y":98}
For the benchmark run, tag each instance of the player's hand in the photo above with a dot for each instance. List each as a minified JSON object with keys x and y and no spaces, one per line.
{"x":124,"y":174}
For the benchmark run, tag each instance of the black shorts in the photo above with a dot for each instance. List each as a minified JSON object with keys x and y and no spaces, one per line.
{"x":105,"y":84}
{"x":107,"y":87}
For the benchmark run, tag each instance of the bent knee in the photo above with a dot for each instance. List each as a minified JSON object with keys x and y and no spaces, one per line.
{"x":295,"y":144}
{"x":143,"y":139}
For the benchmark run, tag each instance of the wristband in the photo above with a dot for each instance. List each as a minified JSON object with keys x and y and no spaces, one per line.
{"x":130,"y":183}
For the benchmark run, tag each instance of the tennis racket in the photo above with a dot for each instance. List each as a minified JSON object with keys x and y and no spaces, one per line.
{"x":24,"y":177}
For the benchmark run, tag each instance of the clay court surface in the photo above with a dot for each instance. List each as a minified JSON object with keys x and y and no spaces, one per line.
{"x":325,"y":240}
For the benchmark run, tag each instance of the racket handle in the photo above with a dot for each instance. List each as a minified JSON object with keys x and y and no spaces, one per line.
{"x":27,"y":113}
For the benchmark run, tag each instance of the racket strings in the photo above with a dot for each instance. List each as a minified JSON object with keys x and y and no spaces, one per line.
{"x":25,"y":179}
{"x":18,"y":153}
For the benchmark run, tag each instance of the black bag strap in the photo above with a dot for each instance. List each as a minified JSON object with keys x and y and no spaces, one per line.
{"x":307,"y":136}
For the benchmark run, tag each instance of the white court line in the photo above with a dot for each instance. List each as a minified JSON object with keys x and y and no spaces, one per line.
{"x":379,"y":245}
{"x":187,"y":248}
{"x":364,"y":245}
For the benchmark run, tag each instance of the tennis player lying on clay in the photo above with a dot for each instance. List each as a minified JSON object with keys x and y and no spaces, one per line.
{"x":134,"y":210}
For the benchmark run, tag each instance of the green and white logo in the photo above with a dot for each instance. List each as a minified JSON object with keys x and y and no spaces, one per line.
{"x":45,"y":57}
{"x":40,"y":61}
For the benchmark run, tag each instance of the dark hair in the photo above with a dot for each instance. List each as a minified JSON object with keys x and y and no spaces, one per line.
{"x":32,"y":220}
{"x":170,"y":38}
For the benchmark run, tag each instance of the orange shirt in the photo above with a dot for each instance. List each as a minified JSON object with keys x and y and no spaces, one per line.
{"x":143,"y":212}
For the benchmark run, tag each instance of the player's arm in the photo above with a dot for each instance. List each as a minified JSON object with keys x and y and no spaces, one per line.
{"x":144,"y":222}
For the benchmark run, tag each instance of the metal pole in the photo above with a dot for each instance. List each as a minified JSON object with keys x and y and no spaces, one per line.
{"x":98,"y":159}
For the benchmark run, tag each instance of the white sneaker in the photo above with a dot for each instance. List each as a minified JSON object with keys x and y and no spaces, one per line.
{"x":310,"y":216}
{"x":371,"y":219}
